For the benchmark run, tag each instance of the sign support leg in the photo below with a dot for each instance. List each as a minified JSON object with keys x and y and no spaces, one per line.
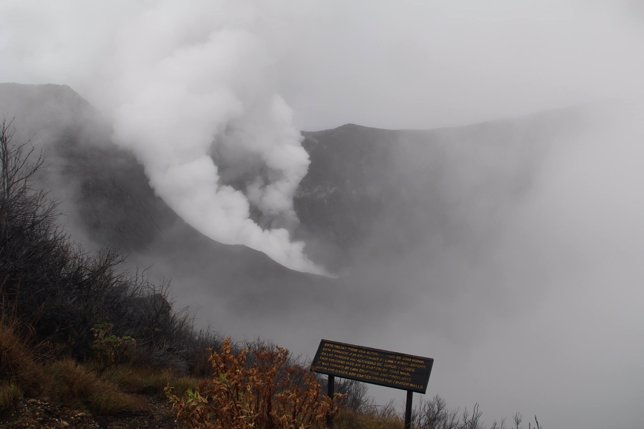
{"x":330,"y":386}
{"x":410,"y":395}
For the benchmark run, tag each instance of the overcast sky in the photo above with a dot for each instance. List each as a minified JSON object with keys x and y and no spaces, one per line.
{"x":574,"y":351}
{"x":428,"y":63}
{"x":389,"y":64}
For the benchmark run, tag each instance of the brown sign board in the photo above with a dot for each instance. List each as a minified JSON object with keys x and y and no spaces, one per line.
{"x":385,"y":368}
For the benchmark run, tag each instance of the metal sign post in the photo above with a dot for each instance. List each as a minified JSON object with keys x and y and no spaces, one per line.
{"x":410,"y":396}
{"x":330,"y":390}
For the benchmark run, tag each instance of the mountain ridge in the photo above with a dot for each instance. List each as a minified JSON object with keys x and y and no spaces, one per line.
{"x":373,"y":201}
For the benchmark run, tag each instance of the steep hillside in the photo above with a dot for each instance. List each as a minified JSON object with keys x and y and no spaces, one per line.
{"x":105,"y":200}
{"x":377,"y":193}
{"x":363,"y":184}
{"x":373,"y":201}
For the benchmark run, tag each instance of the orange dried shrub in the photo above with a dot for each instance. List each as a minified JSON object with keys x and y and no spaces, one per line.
{"x":254,"y":389}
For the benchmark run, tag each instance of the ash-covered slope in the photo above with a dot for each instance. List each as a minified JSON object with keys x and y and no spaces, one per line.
{"x":102,"y":191}
{"x":105,"y":199}
{"x":373,"y":193}
{"x":373,"y":201}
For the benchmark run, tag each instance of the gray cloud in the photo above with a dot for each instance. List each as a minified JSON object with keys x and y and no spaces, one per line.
{"x":528,"y":298}
{"x":418,"y":64}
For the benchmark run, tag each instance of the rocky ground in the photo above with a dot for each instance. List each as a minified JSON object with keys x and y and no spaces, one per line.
{"x":37,"y":414}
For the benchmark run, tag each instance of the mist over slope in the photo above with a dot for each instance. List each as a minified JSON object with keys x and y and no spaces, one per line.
{"x":380,"y":207}
{"x":370,"y":194}
{"x":394,"y":212}
{"x":490,"y":247}
{"x":104,"y":195}
{"x":374,"y":193}
{"x":365,"y":185}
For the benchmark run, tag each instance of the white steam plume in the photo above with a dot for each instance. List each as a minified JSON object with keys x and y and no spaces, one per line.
{"x":189,"y":89}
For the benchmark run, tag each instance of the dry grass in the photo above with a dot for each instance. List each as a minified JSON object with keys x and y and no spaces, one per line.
{"x":10,"y":394}
{"x":67,"y":382}
{"x":17,"y":364}
{"x":148,"y":381}
{"x":77,"y":386}
{"x":347,"y":419}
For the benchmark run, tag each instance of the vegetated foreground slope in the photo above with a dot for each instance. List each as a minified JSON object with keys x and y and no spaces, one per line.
{"x":380,"y":207}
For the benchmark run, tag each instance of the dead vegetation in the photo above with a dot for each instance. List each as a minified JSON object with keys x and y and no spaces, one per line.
{"x":258,"y":388}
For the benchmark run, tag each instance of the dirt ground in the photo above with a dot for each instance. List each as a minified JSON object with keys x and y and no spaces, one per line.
{"x":39,"y":414}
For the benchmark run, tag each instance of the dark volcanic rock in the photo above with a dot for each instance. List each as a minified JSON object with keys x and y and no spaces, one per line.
{"x":377,"y":193}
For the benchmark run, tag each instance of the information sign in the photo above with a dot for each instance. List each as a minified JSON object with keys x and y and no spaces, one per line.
{"x":385,"y":368}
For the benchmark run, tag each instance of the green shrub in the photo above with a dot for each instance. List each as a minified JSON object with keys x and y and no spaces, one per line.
{"x":109,"y":349}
